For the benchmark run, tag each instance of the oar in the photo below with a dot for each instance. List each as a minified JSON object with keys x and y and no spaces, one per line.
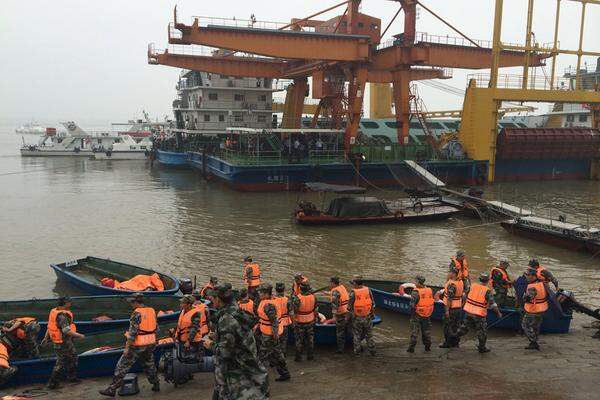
{"x":320,"y":289}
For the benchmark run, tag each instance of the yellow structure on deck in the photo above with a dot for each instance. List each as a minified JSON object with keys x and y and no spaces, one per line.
{"x":485,"y":94}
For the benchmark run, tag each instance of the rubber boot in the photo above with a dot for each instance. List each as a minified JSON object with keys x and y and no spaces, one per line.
{"x":156,"y":386}
{"x":411,"y":348}
{"x":533,"y":346}
{"x":428,"y":347}
{"x":445,"y":345}
{"x":298,"y":357}
{"x":483,"y":350}
{"x":53,"y":383}
{"x":109,"y":392}
{"x":310,"y":357}
{"x":283,"y":378}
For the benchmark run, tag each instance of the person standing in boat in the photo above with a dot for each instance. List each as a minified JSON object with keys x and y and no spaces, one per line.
{"x":461,"y":264}
{"x":298,"y":280}
{"x":501,"y":282}
{"x":479,"y":299}
{"x":542,"y":273}
{"x":453,"y":303}
{"x":252,"y":277}
{"x":361,"y":306}
{"x":421,"y":305}
{"x":62,"y":330}
{"x":139,"y":345}
{"x":535,"y":304}
{"x":339,"y":308}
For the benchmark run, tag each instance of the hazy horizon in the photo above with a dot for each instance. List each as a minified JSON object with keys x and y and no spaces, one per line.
{"x":86,"y":61}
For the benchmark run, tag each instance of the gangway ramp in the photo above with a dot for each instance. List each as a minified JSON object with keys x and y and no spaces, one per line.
{"x":423,"y":173}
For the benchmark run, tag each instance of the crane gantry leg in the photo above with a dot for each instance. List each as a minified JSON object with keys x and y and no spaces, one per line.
{"x":401,"y":82}
{"x":356,"y":94}
{"x":294,"y":104}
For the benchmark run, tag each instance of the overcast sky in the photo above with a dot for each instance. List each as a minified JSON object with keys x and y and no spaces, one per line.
{"x":86,"y":60}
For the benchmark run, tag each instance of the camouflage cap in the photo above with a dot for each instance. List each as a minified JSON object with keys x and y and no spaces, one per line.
{"x":248,"y":259}
{"x":420,"y":279}
{"x":187,"y":299}
{"x":243,"y":293}
{"x":335,"y":279}
{"x":504,"y":264}
{"x":484,"y":277}
{"x":298,"y":275}
{"x":266,"y":288}
{"x":136,"y":297}
{"x":460,"y":253}
{"x":279,"y":287}
{"x":356,"y":279}
{"x":223,"y":291}
{"x":63,"y":300}
{"x":534,"y":262}
{"x":214,"y":279}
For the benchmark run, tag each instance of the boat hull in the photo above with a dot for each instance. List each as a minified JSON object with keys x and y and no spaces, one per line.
{"x":55,"y":153}
{"x":122,"y":155}
{"x":324,"y":219}
{"x":554,"y":239}
{"x":172,"y":159}
{"x":554,"y":321}
{"x":325,"y":334}
{"x":90,"y":287}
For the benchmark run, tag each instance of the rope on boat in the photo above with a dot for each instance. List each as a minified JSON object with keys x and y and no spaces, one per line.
{"x":367,"y":181}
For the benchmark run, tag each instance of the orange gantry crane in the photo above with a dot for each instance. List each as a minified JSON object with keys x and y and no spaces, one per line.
{"x":341,"y":53}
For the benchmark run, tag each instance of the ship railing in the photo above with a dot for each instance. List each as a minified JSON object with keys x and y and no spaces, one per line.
{"x":238,"y":22}
{"x":393,"y":152}
{"x":251,"y":157}
{"x":198,"y":50}
{"x":326,"y":156}
{"x":515,"y":81}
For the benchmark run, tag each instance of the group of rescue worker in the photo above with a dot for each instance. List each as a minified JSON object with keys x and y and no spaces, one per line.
{"x":250,"y":328}
{"x":474,"y":299}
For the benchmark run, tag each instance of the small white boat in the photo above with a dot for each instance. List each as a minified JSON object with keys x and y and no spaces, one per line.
{"x":126,"y":149}
{"x":32,"y":128}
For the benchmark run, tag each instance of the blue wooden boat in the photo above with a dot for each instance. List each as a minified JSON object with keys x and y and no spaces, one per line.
{"x":86,"y":273}
{"x":87,"y":308}
{"x":386,"y":296}
{"x":325,"y":333}
{"x":172,"y":159}
{"x":90,"y":364}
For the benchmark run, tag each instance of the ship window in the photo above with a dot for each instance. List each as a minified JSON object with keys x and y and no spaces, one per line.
{"x":131,"y":147}
{"x":238,"y":117}
{"x":143,"y":147}
{"x":415,"y":125}
{"x":451,"y":125}
{"x":213,"y":96}
{"x":99,"y":141}
{"x":582,"y":118}
{"x":262,"y":118}
{"x":239,"y":97}
{"x":262,"y":97}
{"x":570,"y":118}
{"x":392,"y":124}
{"x":221,"y":118}
{"x":206,"y":117}
{"x":370,"y":124}
{"x":361,"y":25}
{"x":434,"y":125}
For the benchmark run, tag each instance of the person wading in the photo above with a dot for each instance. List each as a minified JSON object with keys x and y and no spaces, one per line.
{"x":361,"y":306}
{"x":305,"y":315}
{"x":453,"y":304}
{"x":479,"y":299}
{"x":339,"y":307}
{"x":535,"y":304}
{"x":61,"y":331}
{"x":421,"y":305}
{"x":139,"y":346}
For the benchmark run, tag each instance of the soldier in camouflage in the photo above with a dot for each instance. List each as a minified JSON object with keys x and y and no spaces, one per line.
{"x":476,"y":322}
{"x":304,"y":332}
{"x":532,"y":321}
{"x":270,"y":352}
{"x":238,"y":372}
{"x":132,"y":353}
{"x":25,"y":333}
{"x":501,"y":282}
{"x":418,"y":322}
{"x":362,"y":325}
{"x":339,"y":309}
{"x":66,"y":355}
{"x":542,"y":273}
{"x":6,"y":370}
{"x":287,"y":303}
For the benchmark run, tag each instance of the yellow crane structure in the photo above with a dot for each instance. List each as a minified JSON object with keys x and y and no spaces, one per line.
{"x":485,"y":94}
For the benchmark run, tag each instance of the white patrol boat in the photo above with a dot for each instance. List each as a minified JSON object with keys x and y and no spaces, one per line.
{"x":126,"y":149}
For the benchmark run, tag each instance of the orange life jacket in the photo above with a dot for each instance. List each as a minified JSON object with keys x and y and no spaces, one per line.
{"x":296,"y":286}
{"x":248,"y":306}
{"x":147,"y":329}
{"x":504,"y":276}
{"x":344,"y":297}
{"x":463,"y":268}
{"x":53,"y":330}
{"x":285,"y":313}
{"x":539,"y":275}
{"x":205,"y":288}
{"x":140,"y":283}
{"x":363,"y":305}
{"x":424,"y":306}
{"x":255,"y":275}
{"x":264,"y":322}
{"x":4,"y":356}
{"x":456,"y":301}
{"x":306,"y":312}
{"x":24,"y":320}
{"x":539,"y":304}
{"x":185,"y":323}
{"x":476,"y":303}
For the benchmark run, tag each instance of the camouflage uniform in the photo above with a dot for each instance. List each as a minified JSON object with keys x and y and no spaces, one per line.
{"x":28,"y":346}
{"x":252,"y":290}
{"x":284,"y":337}
{"x":238,"y":373}
{"x":466,"y":280}
{"x":143,"y":354}
{"x":341,"y":322}
{"x":532,"y":321}
{"x":452,"y":323}
{"x":270,"y":352}
{"x":195,"y":348}
{"x":6,"y":373}
{"x":500,"y":291}
{"x":417,"y":323}
{"x":549,"y":277}
{"x":304,"y":334}
{"x":362,"y":327}
{"x":66,"y":355}
{"x":477,"y":323}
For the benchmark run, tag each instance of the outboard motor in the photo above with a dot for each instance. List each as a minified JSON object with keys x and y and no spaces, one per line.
{"x":185,"y":285}
{"x":567,"y":300}
{"x":178,"y":368}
